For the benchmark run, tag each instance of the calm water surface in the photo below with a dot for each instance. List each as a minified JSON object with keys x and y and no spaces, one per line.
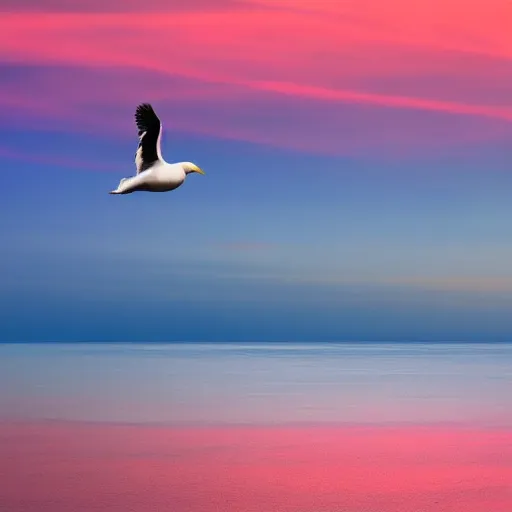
{"x":258,"y":383}
{"x":256,"y":428}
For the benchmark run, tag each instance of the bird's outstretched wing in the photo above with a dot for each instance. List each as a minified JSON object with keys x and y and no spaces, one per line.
{"x":149,"y":131}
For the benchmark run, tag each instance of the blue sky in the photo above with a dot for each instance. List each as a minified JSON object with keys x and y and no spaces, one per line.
{"x":357,"y":181}
{"x":270,"y":245}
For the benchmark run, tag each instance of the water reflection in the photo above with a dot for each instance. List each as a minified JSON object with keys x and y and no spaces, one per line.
{"x":258,"y":383}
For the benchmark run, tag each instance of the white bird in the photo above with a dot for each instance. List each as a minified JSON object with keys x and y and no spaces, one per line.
{"x":154,"y":174}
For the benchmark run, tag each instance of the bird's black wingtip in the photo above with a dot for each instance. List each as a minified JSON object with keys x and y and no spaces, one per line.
{"x":146,"y":118}
{"x":143,"y":106}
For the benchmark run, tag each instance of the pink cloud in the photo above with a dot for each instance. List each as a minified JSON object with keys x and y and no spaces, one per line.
{"x":454,"y":24}
{"x":74,"y":466}
{"x":383,"y":100}
{"x":100,"y":102}
{"x":353,"y":54}
{"x":117,"y":6}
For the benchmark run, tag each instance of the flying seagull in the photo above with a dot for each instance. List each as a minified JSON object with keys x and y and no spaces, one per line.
{"x":154,"y":174}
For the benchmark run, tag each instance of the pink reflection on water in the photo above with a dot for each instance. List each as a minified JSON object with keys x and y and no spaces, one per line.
{"x":79,"y":467}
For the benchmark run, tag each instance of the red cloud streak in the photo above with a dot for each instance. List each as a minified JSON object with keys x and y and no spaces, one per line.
{"x":61,"y":467}
{"x":444,"y":56}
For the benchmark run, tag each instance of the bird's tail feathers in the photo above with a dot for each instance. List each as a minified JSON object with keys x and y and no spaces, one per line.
{"x":118,"y":190}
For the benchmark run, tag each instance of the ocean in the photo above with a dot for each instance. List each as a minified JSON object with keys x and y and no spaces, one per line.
{"x":256,"y":427}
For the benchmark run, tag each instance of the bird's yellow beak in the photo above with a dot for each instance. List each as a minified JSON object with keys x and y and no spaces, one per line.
{"x":199,"y":170}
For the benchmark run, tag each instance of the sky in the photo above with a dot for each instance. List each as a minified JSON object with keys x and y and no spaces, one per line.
{"x":357,"y":157}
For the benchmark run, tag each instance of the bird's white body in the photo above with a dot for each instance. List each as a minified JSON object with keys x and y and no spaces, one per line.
{"x":154,"y":174}
{"x":161,"y":177}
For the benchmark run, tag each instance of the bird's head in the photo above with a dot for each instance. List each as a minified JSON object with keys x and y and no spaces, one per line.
{"x":190,"y":167}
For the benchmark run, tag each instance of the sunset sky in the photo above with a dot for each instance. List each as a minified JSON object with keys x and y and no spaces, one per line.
{"x":358,"y":163}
